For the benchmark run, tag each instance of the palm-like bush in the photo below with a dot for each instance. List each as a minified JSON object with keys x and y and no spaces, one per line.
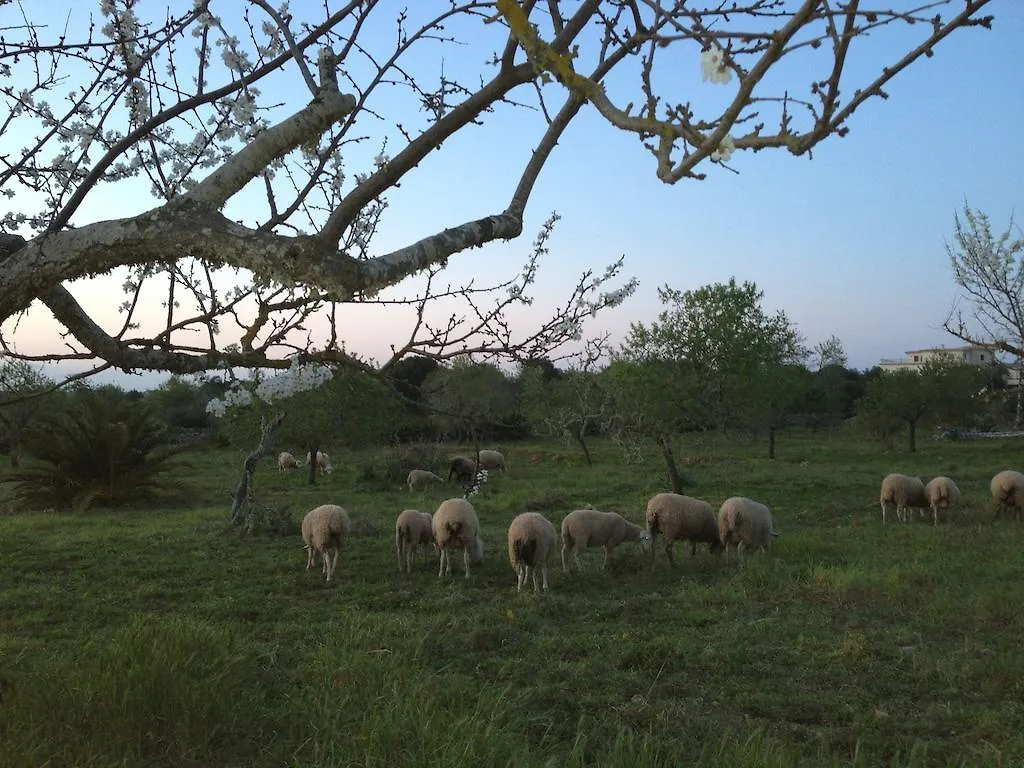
{"x":100,"y":450}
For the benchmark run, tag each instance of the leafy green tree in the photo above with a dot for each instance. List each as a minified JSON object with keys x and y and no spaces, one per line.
{"x":775,"y":395}
{"x":24,"y":391}
{"x":103,"y":449}
{"x":471,"y":399}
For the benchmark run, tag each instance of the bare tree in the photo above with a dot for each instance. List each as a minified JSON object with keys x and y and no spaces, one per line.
{"x":989,"y":270}
{"x":263,"y":216}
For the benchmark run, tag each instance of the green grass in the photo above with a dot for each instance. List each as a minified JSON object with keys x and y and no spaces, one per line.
{"x":163,"y":637}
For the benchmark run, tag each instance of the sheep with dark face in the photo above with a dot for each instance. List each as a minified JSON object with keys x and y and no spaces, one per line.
{"x":460,"y":468}
{"x":584,"y":528}
{"x":456,"y":526}
{"x":531,"y":541}
{"x":324,"y":530}
{"x":286,"y":461}
{"x":682,"y":518}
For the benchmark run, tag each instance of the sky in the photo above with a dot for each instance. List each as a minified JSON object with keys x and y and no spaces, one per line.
{"x":850,"y":243}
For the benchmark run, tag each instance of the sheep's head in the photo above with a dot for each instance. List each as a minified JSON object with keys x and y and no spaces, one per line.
{"x":646,"y":541}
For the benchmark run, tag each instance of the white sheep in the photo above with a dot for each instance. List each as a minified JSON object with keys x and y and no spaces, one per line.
{"x":286,"y":461}
{"x":412,"y":529}
{"x":492,"y":460}
{"x":682,"y":518}
{"x":456,"y":526}
{"x":584,"y":528}
{"x":419,"y":479}
{"x":462,"y":469}
{"x":941,"y":493}
{"x":531,"y":541}
{"x":744,"y":524}
{"x":323,"y":461}
{"x":324,"y":530}
{"x":1008,"y":491}
{"x":902,"y":491}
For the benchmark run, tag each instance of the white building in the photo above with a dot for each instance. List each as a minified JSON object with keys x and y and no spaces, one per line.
{"x":973,"y":354}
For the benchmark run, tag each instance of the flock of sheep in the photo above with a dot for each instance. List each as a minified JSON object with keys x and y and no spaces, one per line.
{"x":741,"y":524}
{"x":904,"y":493}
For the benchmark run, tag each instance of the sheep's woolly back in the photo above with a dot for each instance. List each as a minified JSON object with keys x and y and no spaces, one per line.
{"x":286,"y":460}
{"x":492,"y":460}
{"x":531,"y":540}
{"x":745,"y":524}
{"x":412,"y":529}
{"x":1008,"y":491}
{"x":585,"y":528}
{"x":324,"y":530}
{"x":902,"y":491}
{"x":682,"y":518}
{"x":942,"y":493}
{"x":421,"y":478}
{"x":456,"y":526}
{"x":323,"y":461}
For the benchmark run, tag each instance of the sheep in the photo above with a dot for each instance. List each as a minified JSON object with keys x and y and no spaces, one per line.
{"x":323,"y":461}
{"x":456,"y":526}
{"x":941,"y":492}
{"x":682,"y":518}
{"x":745,"y":524}
{"x":412,"y":529}
{"x":492,"y":460}
{"x":419,"y":479}
{"x":902,"y":491}
{"x":463,"y":469}
{"x":531,"y":540}
{"x":324,"y":529}
{"x":286,"y":461}
{"x":1008,"y":491}
{"x":585,"y":528}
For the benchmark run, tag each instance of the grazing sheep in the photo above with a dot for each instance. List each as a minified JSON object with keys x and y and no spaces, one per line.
{"x":584,"y":528}
{"x":492,"y":460}
{"x":286,"y":461}
{"x":744,"y":524}
{"x":324,"y":530}
{"x":419,"y":479}
{"x":682,"y":518}
{"x":412,"y":529}
{"x":462,"y":469}
{"x":1008,"y":491}
{"x":456,"y":526}
{"x":531,"y":540}
{"x":902,"y":492}
{"x":941,"y":493}
{"x":323,"y":461}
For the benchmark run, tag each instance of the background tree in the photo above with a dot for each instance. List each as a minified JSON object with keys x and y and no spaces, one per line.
{"x":24,"y":391}
{"x":775,"y":394}
{"x":265,"y":201}
{"x":471,"y":400}
{"x":989,"y":270}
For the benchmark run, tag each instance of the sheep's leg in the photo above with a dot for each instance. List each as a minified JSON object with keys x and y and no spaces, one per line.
{"x":607,"y":556}
{"x":309,"y":558}
{"x":441,"y":558}
{"x":465,"y":559}
{"x":741,"y":551}
{"x":577,"y":560}
{"x":544,"y":576}
{"x":669,"y":546}
{"x":334,"y":562}
{"x":883,"y":513}
{"x":935,"y":514}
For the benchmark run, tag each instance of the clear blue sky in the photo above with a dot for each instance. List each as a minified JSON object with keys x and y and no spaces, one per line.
{"x":850,"y":243}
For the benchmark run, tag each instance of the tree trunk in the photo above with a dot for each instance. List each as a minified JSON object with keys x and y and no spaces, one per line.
{"x":582,"y":441}
{"x":771,"y":442}
{"x":311,"y":469}
{"x":913,"y":435}
{"x":1019,"y":415}
{"x":670,"y":462}
{"x":243,"y":504}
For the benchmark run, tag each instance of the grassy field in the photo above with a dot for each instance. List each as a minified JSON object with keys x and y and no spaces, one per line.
{"x":163,"y":637}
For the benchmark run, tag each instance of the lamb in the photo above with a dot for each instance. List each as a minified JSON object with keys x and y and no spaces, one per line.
{"x":323,"y":461}
{"x":682,"y":518}
{"x":902,"y":491}
{"x":585,"y":528}
{"x":324,"y":530}
{"x":419,"y":479}
{"x":492,"y":460}
{"x":745,"y":524}
{"x":531,"y":540}
{"x":463,"y":469}
{"x":1008,"y":491}
{"x":456,"y":526}
{"x":941,"y":493}
{"x":412,"y":529}
{"x":286,"y":461}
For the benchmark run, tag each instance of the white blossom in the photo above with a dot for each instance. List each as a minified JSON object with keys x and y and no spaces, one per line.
{"x":381,"y":160}
{"x":713,"y":67}
{"x":725,"y":149}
